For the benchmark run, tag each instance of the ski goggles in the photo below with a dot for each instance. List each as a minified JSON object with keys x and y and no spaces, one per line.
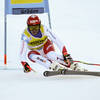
{"x":34,"y":27}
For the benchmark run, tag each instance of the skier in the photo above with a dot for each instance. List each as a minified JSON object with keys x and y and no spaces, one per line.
{"x":37,"y":45}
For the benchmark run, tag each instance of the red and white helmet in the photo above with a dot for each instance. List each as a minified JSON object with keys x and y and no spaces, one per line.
{"x":33,"y":20}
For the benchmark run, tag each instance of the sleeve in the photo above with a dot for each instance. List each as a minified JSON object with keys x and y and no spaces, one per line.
{"x":55,"y":40}
{"x":23,"y":53}
{"x":23,"y":48}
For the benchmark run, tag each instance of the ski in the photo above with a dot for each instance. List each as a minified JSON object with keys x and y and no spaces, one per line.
{"x":69,"y":72}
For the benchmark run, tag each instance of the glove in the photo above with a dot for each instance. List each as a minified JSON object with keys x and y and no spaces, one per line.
{"x":68,"y":59}
{"x":26,"y":66}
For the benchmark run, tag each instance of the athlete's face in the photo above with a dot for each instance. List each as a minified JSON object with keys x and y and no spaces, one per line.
{"x":34,"y":29}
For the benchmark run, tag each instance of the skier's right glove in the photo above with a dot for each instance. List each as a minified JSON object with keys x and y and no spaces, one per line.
{"x":26,"y":66}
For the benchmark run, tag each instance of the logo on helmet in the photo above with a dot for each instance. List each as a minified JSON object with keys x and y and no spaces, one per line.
{"x":33,"y":21}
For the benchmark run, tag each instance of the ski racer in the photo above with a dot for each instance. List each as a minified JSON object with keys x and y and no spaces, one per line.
{"x":37,"y":45}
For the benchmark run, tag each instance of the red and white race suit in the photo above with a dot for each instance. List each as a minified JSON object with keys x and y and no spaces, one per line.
{"x":39,"y":48}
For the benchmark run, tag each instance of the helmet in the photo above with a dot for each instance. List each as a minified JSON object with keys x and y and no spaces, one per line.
{"x":33,"y":20}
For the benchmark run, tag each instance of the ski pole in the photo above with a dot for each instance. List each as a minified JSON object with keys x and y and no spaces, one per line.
{"x":33,"y":70}
{"x":87,"y":63}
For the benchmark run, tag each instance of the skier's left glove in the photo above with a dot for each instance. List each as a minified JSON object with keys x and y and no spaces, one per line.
{"x":68,"y":59}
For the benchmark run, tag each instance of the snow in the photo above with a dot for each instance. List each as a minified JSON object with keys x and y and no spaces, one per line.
{"x":16,"y":85}
{"x":77,"y":23}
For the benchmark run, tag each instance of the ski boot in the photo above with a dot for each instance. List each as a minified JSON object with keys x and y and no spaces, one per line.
{"x":76,"y":67}
{"x":55,"y":66}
